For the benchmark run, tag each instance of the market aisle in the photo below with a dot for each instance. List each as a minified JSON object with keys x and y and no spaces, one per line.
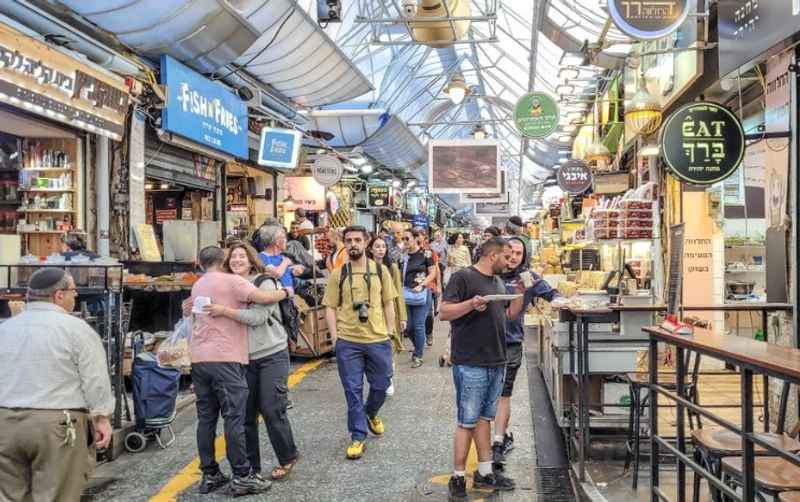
{"x":412,"y":462}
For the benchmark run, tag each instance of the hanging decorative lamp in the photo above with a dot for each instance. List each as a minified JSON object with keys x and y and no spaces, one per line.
{"x":644,"y":113}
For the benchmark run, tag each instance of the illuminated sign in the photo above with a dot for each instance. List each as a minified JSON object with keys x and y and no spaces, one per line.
{"x":648,"y":19}
{"x":575,"y":177}
{"x":45,"y":81}
{"x":378,"y":195}
{"x":536,"y":115}
{"x":703,"y":143}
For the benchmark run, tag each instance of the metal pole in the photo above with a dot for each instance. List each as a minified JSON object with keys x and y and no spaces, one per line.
{"x":102,"y":188}
{"x":681,"y":432}
{"x":748,"y":476}
{"x":653,"y":370}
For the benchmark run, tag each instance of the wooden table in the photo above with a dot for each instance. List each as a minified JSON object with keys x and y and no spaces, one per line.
{"x":751,"y":356}
{"x":764,"y":308}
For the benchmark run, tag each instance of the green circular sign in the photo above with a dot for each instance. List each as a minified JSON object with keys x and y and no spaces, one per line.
{"x":536,"y":115}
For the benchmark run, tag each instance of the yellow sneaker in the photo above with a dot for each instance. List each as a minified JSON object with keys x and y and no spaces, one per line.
{"x":355,"y":450}
{"x":375,"y":425}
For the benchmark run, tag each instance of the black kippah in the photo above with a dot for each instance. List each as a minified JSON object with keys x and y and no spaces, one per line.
{"x":45,"y":278}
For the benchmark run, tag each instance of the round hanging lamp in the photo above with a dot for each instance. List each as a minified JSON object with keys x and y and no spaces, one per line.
{"x":457,"y":89}
{"x":643,"y":114}
{"x":598,"y":152}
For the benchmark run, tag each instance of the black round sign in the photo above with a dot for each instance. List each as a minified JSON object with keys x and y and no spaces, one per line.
{"x":703,"y":143}
{"x":648,"y":19}
{"x":575,"y":177}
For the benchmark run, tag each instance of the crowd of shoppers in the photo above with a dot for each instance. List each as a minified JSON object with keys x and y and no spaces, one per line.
{"x":380,"y":287}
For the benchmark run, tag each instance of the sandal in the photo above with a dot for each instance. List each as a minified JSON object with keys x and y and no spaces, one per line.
{"x":281,"y":472}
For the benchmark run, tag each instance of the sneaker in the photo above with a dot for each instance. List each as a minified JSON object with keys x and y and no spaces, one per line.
{"x":457,"y":489}
{"x":211,"y":482}
{"x":493,"y":481}
{"x":416,"y":362}
{"x":390,"y":390}
{"x":375,"y":425}
{"x":249,"y":485}
{"x":355,"y":450}
{"x":498,"y":453}
{"x":508,"y":443}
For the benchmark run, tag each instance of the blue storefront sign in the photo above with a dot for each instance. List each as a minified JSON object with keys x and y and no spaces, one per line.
{"x":279,"y":148}
{"x":202,"y":110}
{"x":420,"y":220}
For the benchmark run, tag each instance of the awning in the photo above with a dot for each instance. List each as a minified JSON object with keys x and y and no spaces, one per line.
{"x":274,"y":40}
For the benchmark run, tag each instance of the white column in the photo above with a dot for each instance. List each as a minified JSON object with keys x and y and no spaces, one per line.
{"x":102,"y":175}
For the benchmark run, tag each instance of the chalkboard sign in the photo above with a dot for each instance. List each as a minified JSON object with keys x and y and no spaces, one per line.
{"x":675,"y":277}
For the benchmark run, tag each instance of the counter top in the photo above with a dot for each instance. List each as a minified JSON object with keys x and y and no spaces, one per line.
{"x":778,"y":360}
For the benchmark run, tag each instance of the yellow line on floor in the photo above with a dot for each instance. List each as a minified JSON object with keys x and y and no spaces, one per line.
{"x":190,"y":474}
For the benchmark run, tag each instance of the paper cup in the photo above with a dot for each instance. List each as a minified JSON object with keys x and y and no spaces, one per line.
{"x":199,"y":303}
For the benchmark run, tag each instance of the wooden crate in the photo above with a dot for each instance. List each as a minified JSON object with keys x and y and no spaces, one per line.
{"x":313,"y":342}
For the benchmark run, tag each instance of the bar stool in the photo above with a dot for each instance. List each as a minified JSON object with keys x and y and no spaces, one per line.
{"x":773,"y":475}
{"x":668,"y":380}
{"x":711,"y":446}
{"x":789,"y":497}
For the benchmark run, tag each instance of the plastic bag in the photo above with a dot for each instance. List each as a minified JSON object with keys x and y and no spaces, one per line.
{"x":174,"y":351}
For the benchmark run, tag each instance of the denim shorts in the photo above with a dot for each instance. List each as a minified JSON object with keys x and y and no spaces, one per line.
{"x":477,"y":392}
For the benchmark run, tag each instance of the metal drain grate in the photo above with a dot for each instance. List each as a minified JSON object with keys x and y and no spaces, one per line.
{"x":553,"y":484}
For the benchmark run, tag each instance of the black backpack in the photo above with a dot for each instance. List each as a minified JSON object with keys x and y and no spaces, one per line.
{"x":290,"y":316}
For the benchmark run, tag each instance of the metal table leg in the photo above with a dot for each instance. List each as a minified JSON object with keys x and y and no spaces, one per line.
{"x":748,"y":474}
{"x":581,"y":404}
{"x":765,"y":378}
{"x":680,"y":374}
{"x":585,"y":385}
{"x":654,"y":455}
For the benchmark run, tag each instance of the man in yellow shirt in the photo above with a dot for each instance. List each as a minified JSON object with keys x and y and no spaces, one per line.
{"x":359,"y":301}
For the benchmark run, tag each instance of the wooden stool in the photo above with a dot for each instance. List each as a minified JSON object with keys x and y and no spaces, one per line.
{"x":789,"y":497}
{"x":713,"y":445}
{"x":773,"y":475}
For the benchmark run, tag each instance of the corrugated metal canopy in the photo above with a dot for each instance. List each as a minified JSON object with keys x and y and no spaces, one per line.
{"x":301,"y":61}
{"x":275,"y":40}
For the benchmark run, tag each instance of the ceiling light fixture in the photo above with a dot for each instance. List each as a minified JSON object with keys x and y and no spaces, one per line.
{"x":457,"y":89}
{"x":396,"y":183}
{"x":643,"y":114}
{"x":367,"y":169}
{"x":568,"y":72}
{"x":478,"y":132}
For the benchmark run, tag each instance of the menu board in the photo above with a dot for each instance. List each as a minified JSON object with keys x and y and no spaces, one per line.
{"x":378,"y":195}
{"x":147,"y":242}
{"x":676,"y":234}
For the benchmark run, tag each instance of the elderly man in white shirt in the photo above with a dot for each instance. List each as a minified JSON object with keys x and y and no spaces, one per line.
{"x":55,"y":399}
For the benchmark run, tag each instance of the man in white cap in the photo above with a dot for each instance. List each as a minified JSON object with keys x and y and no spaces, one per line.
{"x":55,"y":399}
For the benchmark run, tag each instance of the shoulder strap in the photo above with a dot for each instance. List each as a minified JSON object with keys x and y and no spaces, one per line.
{"x":342,"y":275}
{"x":259,"y":280}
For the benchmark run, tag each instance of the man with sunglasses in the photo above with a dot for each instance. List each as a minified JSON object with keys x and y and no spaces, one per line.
{"x":55,"y":399}
{"x":359,"y":301}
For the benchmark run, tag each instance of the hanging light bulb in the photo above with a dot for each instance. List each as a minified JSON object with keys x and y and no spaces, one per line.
{"x":643,"y":114}
{"x":366,"y":169}
{"x":479,"y":132}
{"x":457,"y":89}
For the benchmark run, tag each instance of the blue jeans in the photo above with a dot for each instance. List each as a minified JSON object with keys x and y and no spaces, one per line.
{"x":355,"y":360}
{"x":477,"y":392}
{"x":416,"y":326}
